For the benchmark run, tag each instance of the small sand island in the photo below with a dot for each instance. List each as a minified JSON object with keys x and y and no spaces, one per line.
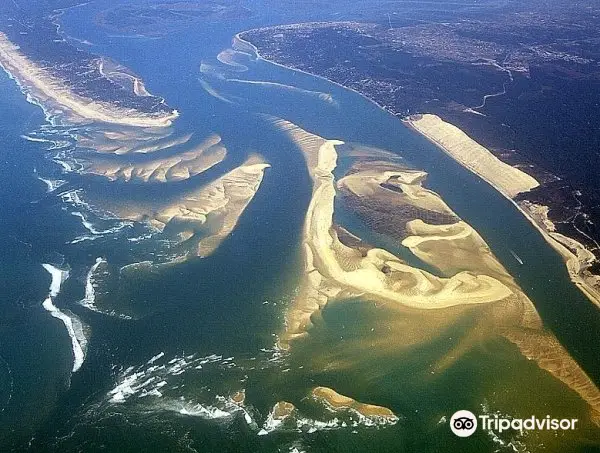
{"x":54,"y":92}
{"x":336,"y":402}
{"x":280,"y":412}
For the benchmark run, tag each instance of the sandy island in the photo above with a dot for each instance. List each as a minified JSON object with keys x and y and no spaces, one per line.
{"x":333,"y":268}
{"x":49,"y":89}
{"x":335,"y":401}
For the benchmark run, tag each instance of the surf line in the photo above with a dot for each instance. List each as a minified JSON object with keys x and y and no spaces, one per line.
{"x":78,"y":344}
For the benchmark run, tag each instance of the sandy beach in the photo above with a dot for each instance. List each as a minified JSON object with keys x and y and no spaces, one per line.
{"x":48,"y":89}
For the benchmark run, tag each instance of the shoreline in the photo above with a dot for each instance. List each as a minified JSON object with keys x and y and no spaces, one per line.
{"x":45,"y":89}
{"x":572,"y":263}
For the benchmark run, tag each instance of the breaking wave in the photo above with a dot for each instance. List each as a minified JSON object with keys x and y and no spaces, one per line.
{"x":75,"y":328}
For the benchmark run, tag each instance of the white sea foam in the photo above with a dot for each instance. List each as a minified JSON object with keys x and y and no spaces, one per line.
{"x":156,"y":357}
{"x":348,"y":419}
{"x":67,"y":167}
{"x":89,"y":299}
{"x":143,"y":237}
{"x":199,"y":410}
{"x":83,"y":238}
{"x":58,"y":278}
{"x":36,"y":139}
{"x":92,"y":229}
{"x":158,"y":373}
{"x":74,"y":326}
{"x":510,"y":441}
{"x":271,"y":424}
{"x":72,"y":197}
{"x":52,"y":184}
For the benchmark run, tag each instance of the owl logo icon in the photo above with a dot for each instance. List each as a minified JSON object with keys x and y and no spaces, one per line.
{"x":463,"y":423}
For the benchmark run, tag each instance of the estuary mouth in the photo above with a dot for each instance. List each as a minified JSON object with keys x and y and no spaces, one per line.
{"x":298,"y":227}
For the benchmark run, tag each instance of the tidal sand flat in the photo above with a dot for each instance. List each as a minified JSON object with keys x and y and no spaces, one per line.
{"x":51,"y":91}
{"x":177,"y":167}
{"x":337,"y":270}
{"x":202,"y":218}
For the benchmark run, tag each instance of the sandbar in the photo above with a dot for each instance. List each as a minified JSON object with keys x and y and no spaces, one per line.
{"x":202,"y":218}
{"x":337,"y":401}
{"x":177,"y":167}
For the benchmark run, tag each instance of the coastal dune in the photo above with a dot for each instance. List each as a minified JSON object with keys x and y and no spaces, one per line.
{"x":50,"y":90}
{"x":510,"y":181}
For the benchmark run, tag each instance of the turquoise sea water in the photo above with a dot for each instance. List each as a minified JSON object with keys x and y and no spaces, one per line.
{"x":207,"y":328}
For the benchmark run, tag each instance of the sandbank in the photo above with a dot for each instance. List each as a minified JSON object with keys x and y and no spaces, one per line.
{"x":337,"y":401}
{"x":332,"y":268}
{"x":215,"y":207}
{"x":173,"y":168}
{"x":474,"y":275}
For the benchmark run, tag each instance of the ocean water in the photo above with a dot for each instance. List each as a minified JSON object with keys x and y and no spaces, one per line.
{"x":164,"y":349}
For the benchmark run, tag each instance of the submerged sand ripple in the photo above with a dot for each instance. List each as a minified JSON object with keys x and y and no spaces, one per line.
{"x":204,"y":217}
{"x":177,"y":167}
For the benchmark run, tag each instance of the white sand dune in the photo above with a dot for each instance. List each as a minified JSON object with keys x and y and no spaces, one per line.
{"x":508,"y":180}
{"x":47,"y":88}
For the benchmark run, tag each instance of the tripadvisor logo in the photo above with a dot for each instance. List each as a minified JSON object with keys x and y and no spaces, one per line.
{"x":464,"y":423}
